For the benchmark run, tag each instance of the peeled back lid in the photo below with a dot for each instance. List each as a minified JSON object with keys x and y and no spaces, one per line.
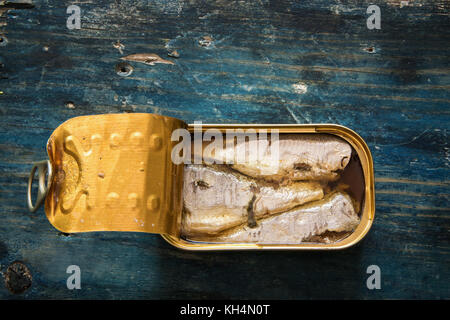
{"x":113,"y":172}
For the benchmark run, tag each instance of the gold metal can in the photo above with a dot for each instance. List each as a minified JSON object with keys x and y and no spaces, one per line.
{"x":114,"y":172}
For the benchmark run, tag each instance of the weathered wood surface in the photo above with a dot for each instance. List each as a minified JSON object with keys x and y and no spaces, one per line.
{"x":390,"y":85}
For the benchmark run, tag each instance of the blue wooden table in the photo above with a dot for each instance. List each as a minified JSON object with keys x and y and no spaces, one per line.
{"x":239,"y":62}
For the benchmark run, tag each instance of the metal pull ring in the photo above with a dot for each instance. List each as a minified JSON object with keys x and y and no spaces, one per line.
{"x":43,"y":167}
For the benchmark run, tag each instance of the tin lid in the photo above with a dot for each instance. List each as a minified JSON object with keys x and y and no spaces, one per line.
{"x":114,"y":172}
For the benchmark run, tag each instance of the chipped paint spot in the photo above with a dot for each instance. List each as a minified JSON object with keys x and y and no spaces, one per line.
{"x":405,"y":3}
{"x":247,"y":87}
{"x":147,"y":58}
{"x":300,"y":88}
{"x":337,"y":9}
{"x":70,"y":105}
{"x":205,"y":41}
{"x":370,"y":49}
{"x":174,"y":54}
{"x":119,"y":46}
{"x":170,"y":7}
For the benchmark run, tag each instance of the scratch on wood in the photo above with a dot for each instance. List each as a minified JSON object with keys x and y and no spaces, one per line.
{"x":407,"y":206}
{"x":411,"y":194}
{"x":408,"y":181}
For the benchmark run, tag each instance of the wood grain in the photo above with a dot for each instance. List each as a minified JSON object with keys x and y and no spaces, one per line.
{"x":389,"y":85}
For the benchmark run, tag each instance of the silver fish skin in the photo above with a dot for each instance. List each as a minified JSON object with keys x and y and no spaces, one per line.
{"x":301,"y":157}
{"x":270,"y":200}
{"x":216,"y":200}
{"x":333,"y":213}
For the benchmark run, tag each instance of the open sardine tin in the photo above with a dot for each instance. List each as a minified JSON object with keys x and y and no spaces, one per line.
{"x":115,"y":172}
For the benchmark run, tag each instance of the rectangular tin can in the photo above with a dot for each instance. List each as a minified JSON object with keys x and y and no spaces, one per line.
{"x":368,"y":203}
{"x":114,"y":173}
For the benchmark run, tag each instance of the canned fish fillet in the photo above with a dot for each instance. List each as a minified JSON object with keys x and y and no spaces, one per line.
{"x":303,"y":196}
